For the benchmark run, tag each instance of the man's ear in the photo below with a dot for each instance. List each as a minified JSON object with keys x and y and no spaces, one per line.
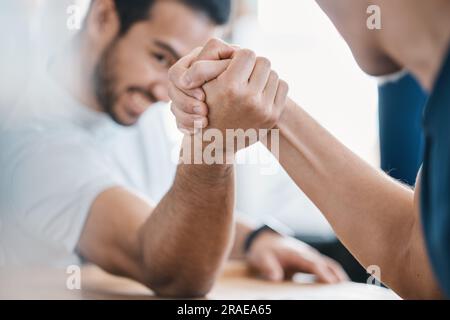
{"x":102,"y":22}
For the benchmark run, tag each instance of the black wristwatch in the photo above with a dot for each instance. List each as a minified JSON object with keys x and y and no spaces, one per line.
{"x":273,"y":226}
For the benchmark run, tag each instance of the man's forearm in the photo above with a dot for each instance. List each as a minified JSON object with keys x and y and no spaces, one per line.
{"x":371,"y":213}
{"x":189,"y":234}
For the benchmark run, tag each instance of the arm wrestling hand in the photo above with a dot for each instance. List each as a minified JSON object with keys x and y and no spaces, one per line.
{"x":240,"y":92}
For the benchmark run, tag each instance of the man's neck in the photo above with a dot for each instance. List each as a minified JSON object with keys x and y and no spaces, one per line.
{"x":423,"y":42}
{"x":74,"y":70}
{"x":427,"y":61}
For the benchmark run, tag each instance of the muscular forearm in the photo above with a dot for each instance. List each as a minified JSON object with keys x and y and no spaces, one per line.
{"x":371,"y":213}
{"x":189,"y":234}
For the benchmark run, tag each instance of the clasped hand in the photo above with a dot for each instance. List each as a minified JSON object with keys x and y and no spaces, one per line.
{"x":224,"y":87}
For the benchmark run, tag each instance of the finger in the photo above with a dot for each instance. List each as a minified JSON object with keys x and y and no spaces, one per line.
{"x":216,"y":49}
{"x":186,"y":131}
{"x":260,"y":74}
{"x":188,"y":121}
{"x":270,"y":90}
{"x":270,"y":268}
{"x":186,"y":61}
{"x":177,"y":70}
{"x":337,"y":269}
{"x":313,"y":264}
{"x":202,"y":72}
{"x":282,"y":92}
{"x":241,"y":66}
{"x":281,"y":97}
{"x":324,"y":274}
{"x":186,"y":103}
{"x":208,"y":65}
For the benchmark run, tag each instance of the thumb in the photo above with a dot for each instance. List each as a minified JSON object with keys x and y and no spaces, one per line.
{"x":202,"y":72}
{"x":177,"y":70}
{"x":216,"y":49}
{"x":270,"y":268}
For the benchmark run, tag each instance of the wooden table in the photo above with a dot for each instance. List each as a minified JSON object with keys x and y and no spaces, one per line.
{"x":235,"y":283}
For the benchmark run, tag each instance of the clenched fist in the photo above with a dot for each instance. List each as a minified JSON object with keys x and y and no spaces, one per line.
{"x":226,"y":88}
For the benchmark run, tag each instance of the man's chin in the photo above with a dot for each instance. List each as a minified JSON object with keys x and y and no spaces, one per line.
{"x":127,"y":124}
{"x":126,"y":116}
{"x":126,"y":121}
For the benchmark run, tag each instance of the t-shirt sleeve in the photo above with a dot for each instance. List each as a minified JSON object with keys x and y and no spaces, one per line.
{"x":53,"y":186}
{"x":435,"y":203}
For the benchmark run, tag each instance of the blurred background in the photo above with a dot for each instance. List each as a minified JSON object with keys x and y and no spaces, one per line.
{"x":306,"y":51}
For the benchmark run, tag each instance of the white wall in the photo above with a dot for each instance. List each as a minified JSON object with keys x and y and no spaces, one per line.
{"x":30,"y":31}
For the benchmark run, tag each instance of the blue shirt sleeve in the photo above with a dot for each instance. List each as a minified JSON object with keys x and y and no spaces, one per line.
{"x":435,"y":193}
{"x":400,"y":109}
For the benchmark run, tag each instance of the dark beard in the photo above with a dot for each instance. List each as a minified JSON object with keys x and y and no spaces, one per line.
{"x":105,"y":82}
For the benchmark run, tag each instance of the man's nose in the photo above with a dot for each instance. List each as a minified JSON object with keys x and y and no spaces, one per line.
{"x":161,"y":92}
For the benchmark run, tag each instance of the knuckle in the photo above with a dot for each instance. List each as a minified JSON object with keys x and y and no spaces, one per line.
{"x":202,"y":108}
{"x":172,"y":108}
{"x":196,"y":67}
{"x":274,"y":75}
{"x":207,"y":87}
{"x":171,"y":91}
{"x":268,"y":116}
{"x":233,"y":90}
{"x":197,"y":50}
{"x":273,"y":118}
{"x":198,"y":75}
{"x":264,"y":62}
{"x":172,"y":72}
{"x":284,"y":86}
{"x":253,"y":101}
{"x":247,"y":53}
{"x":214,"y":42}
{"x":176,"y":109}
{"x":174,"y":93}
{"x":187,"y":107}
{"x":184,"y":130}
{"x":189,"y":123}
{"x":197,"y":122}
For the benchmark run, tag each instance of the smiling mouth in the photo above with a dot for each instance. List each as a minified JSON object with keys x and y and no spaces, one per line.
{"x":144,"y":93}
{"x":138,"y":102}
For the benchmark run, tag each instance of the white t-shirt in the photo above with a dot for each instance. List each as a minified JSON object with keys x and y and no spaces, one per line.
{"x":57,"y":156}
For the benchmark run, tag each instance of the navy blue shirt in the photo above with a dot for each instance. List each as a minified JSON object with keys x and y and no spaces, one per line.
{"x":435,"y":193}
{"x":400,"y":108}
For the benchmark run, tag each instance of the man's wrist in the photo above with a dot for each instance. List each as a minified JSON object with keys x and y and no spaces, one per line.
{"x":254,"y":235}
{"x":287,"y":113}
{"x":196,"y":149}
{"x":272,"y":226}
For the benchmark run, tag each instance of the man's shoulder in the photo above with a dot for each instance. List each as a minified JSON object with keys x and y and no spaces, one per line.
{"x":40,"y":165}
{"x":39,"y":137}
{"x":37,"y":150}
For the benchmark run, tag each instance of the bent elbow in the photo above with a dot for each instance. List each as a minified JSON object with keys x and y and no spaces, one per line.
{"x":179,"y":286}
{"x":182,"y":291}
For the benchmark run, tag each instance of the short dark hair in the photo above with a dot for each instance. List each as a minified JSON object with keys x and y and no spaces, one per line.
{"x":134,"y":11}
